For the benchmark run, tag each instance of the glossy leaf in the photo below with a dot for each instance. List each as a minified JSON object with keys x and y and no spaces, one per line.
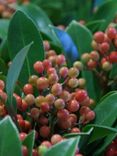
{"x":3,"y":28}
{"x":95,"y":25}
{"x":40,"y":19}
{"x":81,"y":36}
{"x":14,"y":72}
{"x":64,"y":148}
{"x":106,"y":110}
{"x":106,"y":11}
{"x":3,"y":67}
{"x":23,"y":31}
{"x":113,"y":72}
{"x":107,"y":141}
{"x":99,"y":132}
{"x":9,"y":140}
{"x":29,"y":142}
{"x":85,"y":133}
{"x":93,"y":90}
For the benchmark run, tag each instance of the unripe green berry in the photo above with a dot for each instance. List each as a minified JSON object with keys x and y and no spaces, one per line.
{"x":85,"y":57}
{"x":73,"y":82}
{"x":78,"y":65}
{"x":73,"y":72}
{"x":106,"y":66}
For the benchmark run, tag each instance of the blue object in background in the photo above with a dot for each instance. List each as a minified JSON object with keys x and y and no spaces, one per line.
{"x":68,"y":45}
{"x":98,"y":2}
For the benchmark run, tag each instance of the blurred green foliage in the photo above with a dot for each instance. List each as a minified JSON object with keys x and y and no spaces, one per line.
{"x":63,"y":11}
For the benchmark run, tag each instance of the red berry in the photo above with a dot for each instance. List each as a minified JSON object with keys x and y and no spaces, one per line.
{"x":46,"y":143}
{"x":91,"y":64}
{"x":81,"y":95}
{"x":42,"y":83}
{"x":73,"y":72}
{"x":51,"y":70}
{"x":27,"y":125}
{"x":28,"y":89}
{"x":34,"y":152}
{"x":35,"y":113}
{"x":43,"y":120}
{"x":38,"y":66}
{"x":56,"y":138}
{"x":21,"y":123}
{"x":60,"y":59}
{"x":56,"y":89}
{"x":45,"y":107}
{"x":99,"y":37}
{"x":113,"y":57}
{"x":73,"y":106}
{"x":22,"y":136}
{"x":2,"y":84}
{"x":63,"y":72}
{"x":30,"y":99}
{"x":47,"y":64}
{"x":75,"y":130}
{"x":46,"y":45}
{"x":59,"y":103}
{"x":44,"y":131}
{"x":65,"y":95}
{"x":111,"y":33}
{"x":90,"y":115}
{"x":63,"y":114}
{"x":53,"y":78}
{"x":24,"y":106}
{"x":50,"y":98}
{"x":104,"y":48}
{"x":24,"y":150}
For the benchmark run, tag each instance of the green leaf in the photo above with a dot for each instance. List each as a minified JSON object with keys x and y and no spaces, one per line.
{"x":23,"y":31}
{"x":99,"y":132}
{"x":91,"y":84}
{"x":106,"y":110}
{"x":95,"y":25}
{"x":14,"y":72}
{"x":4,"y":53}
{"x":29,"y":142}
{"x":3,"y":67}
{"x":40,"y":19}
{"x":69,"y":135}
{"x":106,"y":11}
{"x":65,"y":148}
{"x":3,"y":28}
{"x":108,"y":140}
{"x":113,"y":72}
{"x":81,"y":36}
{"x":9,"y":140}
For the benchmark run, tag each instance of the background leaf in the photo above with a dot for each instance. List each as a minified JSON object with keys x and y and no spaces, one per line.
{"x":95,"y":25}
{"x":106,"y":11}
{"x":22,"y":31}
{"x":9,"y":140}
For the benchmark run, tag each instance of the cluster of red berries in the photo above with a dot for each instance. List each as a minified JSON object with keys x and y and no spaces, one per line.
{"x":6,"y":9}
{"x":54,"y":102}
{"x":112,"y":149}
{"x":104,"y":54}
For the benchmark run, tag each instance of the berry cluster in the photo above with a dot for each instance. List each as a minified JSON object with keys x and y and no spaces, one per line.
{"x":6,"y":9}
{"x":104,"y":55}
{"x":112,"y":149}
{"x":54,"y":102}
